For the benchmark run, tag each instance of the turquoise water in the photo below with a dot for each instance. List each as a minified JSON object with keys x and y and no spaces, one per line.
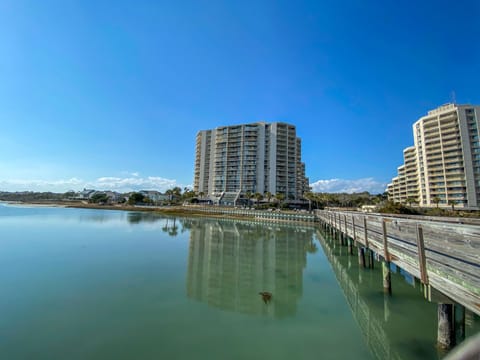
{"x":93,"y":284}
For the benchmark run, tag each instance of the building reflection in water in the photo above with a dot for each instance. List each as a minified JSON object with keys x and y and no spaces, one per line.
{"x":400,"y":326}
{"x":230,"y":262}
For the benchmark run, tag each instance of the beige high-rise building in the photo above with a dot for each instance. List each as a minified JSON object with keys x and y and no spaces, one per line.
{"x":443,"y":167}
{"x":231,"y":161}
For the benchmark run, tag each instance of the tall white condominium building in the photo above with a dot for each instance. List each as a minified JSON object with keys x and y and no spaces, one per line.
{"x":231,"y":161}
{"x":443,"y":167}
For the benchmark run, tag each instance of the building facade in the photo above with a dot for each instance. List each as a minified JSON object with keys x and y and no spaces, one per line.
{"x":231,"y":161}
{"x":443,"y":167}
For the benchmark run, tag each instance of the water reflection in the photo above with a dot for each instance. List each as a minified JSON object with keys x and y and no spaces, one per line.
{"x":169,"y":224}
{"x":230,"y":263}
{"x":139,"y":217}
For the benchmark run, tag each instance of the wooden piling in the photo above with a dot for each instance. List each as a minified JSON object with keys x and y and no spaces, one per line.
{"x":361,"y":257}
{"x":421,"y":256}
{"x":354,"y":232}
{"x":365,"y":233}
{"x":445,"y":339}
{"x":385,"y":240}
{"x":387,"y":277}
{"x":369,"y":258}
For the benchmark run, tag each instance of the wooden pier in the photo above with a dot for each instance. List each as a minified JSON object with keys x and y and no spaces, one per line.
{"x":444,"y":255}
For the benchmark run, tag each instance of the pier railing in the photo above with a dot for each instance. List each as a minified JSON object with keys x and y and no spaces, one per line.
{"x":443,"y":255}
{"x":258,"y":215}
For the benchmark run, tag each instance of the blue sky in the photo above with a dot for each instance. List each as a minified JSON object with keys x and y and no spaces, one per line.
{"x":110,"y":94}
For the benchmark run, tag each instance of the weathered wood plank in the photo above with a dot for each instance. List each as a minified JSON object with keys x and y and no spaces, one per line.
{"x":421,"y":255}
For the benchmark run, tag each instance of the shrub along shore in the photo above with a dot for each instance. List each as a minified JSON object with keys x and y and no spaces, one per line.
{"x":173,"y":210}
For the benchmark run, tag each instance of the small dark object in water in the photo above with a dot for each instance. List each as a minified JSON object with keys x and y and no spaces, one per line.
{"x":266,"y":296}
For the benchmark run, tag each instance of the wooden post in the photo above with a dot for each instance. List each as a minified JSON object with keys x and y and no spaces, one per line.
{"x":386,"y":256}
{"x":342,"y":237}
{"x":336,"y":226}
{"x":365,"y":234}
{"x":445,"y":340}
{"x":369,"y":261}
{"x":421,"y":256}
{"x":354,"y":232}
{"x":350,"y":246}
{"x":340,"y":229}
{"x":361,"y":256}
{"x":345,"y":225}
{"x":387,"y":278}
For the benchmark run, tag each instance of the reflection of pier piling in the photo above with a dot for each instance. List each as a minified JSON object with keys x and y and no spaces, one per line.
{"x":443,"y":256}
{"x":378,"y":321}
{"x":372,"y":325}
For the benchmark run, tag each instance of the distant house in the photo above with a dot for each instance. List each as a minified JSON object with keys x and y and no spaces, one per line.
{"x":85,"y":194}
{"x":154,"y":195}
{"x":369,"y":208}
{"x":113,"y":196}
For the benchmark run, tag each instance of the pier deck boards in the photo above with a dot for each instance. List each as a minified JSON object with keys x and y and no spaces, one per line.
{"x":442,"y":254}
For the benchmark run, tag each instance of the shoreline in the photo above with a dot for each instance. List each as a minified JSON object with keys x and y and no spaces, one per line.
{"x":165,"y":210}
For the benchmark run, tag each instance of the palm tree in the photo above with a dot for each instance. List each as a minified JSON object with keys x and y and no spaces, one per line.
{"x":258,"y":197}
{"x":268,"y":196}
{"x":280,"y":197}
{"x":201,"y":194}
{"x":452,"y":203}
{"x":326,"y":198}
{"x":169,"y":192}
{"x":411,"y":200}
{"x":248,"y":195}
{"x":436,"y":200}
{"x":309,"y":196}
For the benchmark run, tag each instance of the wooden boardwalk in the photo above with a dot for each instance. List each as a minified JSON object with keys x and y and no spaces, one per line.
{"x":444,"y":255}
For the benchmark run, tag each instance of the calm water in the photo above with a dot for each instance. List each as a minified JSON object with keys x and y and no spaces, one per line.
{"x":91,"y":284}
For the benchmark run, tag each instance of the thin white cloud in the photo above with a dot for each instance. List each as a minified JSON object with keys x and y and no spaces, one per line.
{"x":349,"y":186}
{"x":120,"y":184}
{"x":39,"y":185}
{"x":133,"y":183}
{"x":130,"y":173}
